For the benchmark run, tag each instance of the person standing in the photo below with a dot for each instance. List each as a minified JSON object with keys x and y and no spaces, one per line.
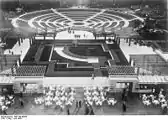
{"x":93,"y":76}
{"x":21,"y":95}
{"x":124,"y":107}
{"x":123,"y":94}
{"x":86,"y":109}
{"x":21,"y":102}
{"x":68,"y":112}
{"x":91,"y":111}
{"x":80,"y":104}
{"x":4,"y":112}
{"x":77,"y":104}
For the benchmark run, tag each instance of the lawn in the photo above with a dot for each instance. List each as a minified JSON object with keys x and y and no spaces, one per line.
{"x":89,"y":50}
{"x":30,"y":56}
{"x":46,"y":53}
{"x":60,"y":59}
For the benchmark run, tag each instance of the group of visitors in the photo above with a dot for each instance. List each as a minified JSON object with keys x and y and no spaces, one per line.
{"x":76,"y":36}
{"x":89,"y":109}
{"x":78,"y":104}
{"x":71,"y":31}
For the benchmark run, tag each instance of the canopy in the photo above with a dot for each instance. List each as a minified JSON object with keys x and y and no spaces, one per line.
{"x":6,"y":80}
{"x":29,"y":79}
{"x":153,"y":79}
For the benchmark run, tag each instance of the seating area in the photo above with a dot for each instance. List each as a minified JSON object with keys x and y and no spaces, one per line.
{"x":6,"y":101}
{"x":30,"y":70}
{"x":159,"y":100}
{"x":60,"y":97}
{"x":97,"y":96}
{"x":121,"y":70}
{"x":83,"y":57}
{"x":56,"y":96}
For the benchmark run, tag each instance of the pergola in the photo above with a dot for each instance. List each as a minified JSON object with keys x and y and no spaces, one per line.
{"x":127,"y":33}
{"x":103,"y":32}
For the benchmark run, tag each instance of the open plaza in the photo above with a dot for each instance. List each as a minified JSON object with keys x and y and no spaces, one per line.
{"x":83,"y":58}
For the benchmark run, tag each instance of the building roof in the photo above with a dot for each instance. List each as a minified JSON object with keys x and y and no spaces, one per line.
{"x":153,"y":79}
{"x":6,"y":79}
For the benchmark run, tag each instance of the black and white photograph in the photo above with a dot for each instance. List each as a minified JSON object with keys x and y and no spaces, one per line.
{"x":83,"y":57}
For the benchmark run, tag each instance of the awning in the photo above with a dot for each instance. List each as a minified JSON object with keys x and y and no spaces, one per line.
{"x":6,"y":80}
{"x":153,"y":79}
{"x":28,"y":79}
{"x":124,"y":78}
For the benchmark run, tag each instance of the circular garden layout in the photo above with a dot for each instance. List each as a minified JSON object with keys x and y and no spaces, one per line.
{"x":63,"y":18}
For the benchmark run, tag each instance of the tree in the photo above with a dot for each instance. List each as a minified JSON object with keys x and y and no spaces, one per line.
{"x":126,"y":33}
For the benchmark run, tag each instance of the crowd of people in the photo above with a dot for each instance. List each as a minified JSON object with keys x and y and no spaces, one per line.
{"x":76,"y":36}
